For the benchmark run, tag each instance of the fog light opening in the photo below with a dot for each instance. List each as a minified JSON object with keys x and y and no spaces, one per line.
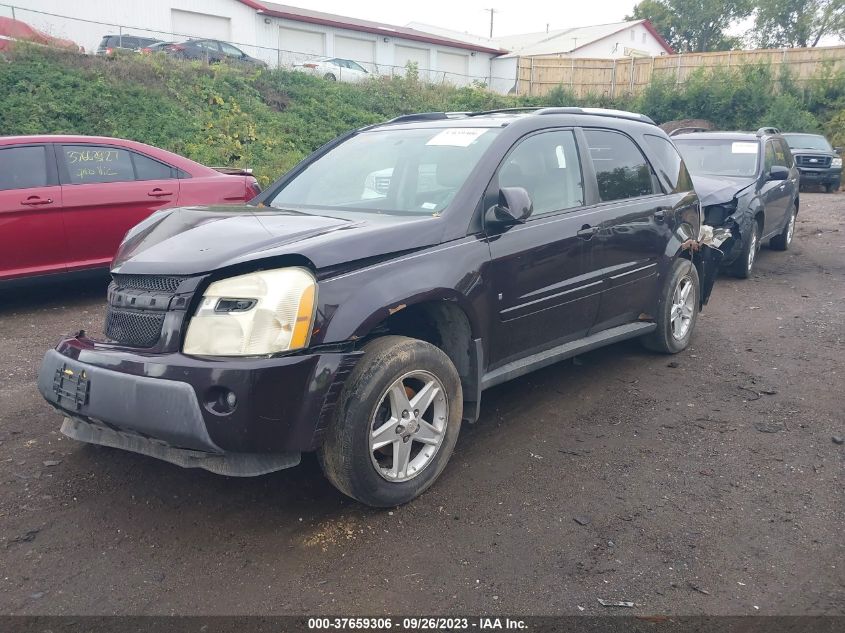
{"x":220,"y":400}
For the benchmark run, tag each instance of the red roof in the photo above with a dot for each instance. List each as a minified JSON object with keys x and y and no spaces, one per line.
{"x":354,"y":24}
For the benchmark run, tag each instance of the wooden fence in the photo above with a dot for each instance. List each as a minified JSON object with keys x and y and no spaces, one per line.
{"x":630,"y":75}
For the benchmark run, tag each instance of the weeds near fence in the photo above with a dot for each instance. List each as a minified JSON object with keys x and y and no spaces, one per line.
{"x":270,"y":119}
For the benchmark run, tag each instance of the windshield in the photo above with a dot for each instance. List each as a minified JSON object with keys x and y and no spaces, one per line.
{"x":402,"y":172}
{"x":807,"y":141}
{"x":720,"y":157}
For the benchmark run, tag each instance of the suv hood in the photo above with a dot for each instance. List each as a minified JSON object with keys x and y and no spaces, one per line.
{"x":720,"y":189}
{"x":193,"y":240}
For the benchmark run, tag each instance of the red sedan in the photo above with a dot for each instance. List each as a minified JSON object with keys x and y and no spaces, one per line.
{"x":67,"y":201}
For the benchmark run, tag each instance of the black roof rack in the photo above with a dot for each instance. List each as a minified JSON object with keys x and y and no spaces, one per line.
{"x":689,"y":130}
{"x":505,"y":110}
{"x":618,"y":114}
{"x":427,"y":116}
{"x":537,"y":110}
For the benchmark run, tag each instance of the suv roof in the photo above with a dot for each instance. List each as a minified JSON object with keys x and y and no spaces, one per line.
{"x":763,"y":132}
{"x":503,"y":116}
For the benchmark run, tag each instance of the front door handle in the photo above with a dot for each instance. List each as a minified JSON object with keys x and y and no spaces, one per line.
{"x":35,"y":200}
{"x":587,"y":232}
{"x":158,"y":193}
{"x":660,"y":214}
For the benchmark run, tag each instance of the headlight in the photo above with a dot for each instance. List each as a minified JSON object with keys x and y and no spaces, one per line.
{"x":260,"y":313}
{"x":836,"y":162}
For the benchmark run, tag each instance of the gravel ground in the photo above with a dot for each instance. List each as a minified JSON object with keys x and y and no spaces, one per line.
{"x":705,"y":483}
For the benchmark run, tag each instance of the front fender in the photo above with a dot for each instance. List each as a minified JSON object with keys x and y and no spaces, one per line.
{"x":352,"y":304}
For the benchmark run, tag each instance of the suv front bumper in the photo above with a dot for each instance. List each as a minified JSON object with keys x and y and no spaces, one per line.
{"x":168,"y":405}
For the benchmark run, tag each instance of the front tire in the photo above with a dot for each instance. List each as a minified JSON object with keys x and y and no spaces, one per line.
{"x":744,"y":264}
{"x":397,"y":422}
{"x":677,"y":311}
{"x":782,"y":242}
{"x":330,"y":77}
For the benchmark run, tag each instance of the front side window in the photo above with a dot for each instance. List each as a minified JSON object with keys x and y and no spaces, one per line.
{"x":547,"y":166}
{"x":355,"y":66}
{"x":720,"y":157}
{"x":391,"y":171}
{"x":621,"y":169}
{"x":87,"y":164}
{"x":770,"y":158}
{"x":230,"y":50}
{"x":780,"y":153}
{"x":23,"y":167}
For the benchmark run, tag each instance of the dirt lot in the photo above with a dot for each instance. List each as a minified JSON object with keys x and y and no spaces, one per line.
{"x":707,"y":482}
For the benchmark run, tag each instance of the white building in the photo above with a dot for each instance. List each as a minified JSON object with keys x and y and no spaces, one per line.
{"x":605,"y":41}
{"x":279,"y":34}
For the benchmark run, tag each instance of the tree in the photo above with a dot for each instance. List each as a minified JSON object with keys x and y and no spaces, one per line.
{"x":694,"y":27}
{"x":797,"y":23}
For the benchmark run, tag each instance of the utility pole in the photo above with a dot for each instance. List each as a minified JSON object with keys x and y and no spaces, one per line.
{"x":492,"y":11}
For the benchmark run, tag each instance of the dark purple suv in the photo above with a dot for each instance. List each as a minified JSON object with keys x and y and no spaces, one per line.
{"x":361,"y":305}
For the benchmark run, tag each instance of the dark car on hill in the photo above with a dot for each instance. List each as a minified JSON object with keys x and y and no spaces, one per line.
{"x":817,"y":162}
{"x":747,"y":183}
{"x":211,"y":52}
{"x":114,"y":42}
{"x":365,"y":321}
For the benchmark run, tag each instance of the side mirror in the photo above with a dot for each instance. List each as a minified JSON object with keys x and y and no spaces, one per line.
{"x":838,"y":150}
{"x":514,"y":207}
{"x":778,"y":172}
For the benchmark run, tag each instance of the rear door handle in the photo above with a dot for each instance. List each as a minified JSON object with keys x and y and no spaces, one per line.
{"x":158,"y":193}
{"x":587,"y":232}
{"x":35,"y":200}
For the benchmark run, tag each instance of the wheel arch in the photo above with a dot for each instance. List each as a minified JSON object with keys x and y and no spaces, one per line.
{"x":447,"y":325}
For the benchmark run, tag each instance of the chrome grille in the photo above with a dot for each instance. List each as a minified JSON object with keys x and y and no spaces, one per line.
{"x":151,"y":283}
{"x":134,"y":327}
{"x":821,"y":162}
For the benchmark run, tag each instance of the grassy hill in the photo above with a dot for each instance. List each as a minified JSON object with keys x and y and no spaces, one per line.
{"x":268,"y":120}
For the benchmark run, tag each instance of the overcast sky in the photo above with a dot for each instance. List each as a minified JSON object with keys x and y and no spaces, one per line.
{"x":512,"y":16}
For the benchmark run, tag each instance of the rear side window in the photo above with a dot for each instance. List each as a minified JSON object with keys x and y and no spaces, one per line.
{"x":147,"y":168}
{"x":669,"y":162}
{"x":23,"y":167}
{"x":88,"y":164}
{"x":621,"y":169}
{"x":91,"y":164}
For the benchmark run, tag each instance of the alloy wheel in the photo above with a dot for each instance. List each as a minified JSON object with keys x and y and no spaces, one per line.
{"x":791,"y":230}
{"x":408,"y":426}
{"x":752,"y":251}
{"x":683,"y":308}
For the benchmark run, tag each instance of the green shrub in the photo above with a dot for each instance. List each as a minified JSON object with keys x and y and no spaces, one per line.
{"x":268,"y":120}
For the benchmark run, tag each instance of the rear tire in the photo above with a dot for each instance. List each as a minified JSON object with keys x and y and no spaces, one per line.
{"x":782,"y":242}
{"x":744,"y":265}
{"x":677,"y":311}
{"x":330,"y":77}
{"x":378,"y":449}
